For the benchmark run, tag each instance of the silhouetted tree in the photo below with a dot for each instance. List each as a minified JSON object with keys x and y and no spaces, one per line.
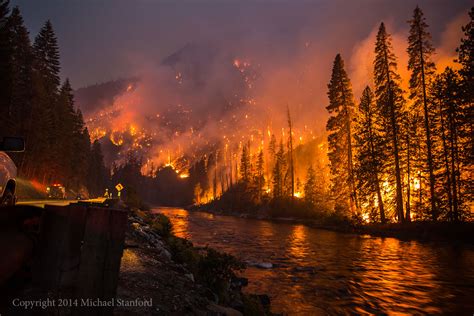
{"x":340,"y":138}
{"x":279,"y":172}
{"x":370,"y":153}
{"x":260,"y":174}
{"x":245,"y":166}
{"x":422,"y":69}
{"x":390,"y":103}
{"x":5,"y":67}
{"x":310,"y":190}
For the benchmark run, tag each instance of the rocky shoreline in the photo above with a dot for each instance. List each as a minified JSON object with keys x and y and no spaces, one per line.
{"x":150,"y":269}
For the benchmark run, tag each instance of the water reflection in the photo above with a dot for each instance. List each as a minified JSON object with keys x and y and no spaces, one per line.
{"x":317,"y":271}
{"x":180,"y":222}
{"x":298,"y":247}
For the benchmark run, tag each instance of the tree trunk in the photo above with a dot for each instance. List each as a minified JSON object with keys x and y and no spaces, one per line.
{"x":434,"y":212}
{"x":446,"y":164}
{"x":350,"y":168}
{"x":452,"y":128}
{"x":393,"y":122}
{"x":408,"y":208}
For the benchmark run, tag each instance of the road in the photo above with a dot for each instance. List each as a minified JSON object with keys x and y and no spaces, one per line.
{"x":42,"y":203}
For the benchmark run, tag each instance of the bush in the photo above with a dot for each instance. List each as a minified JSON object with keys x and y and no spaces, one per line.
{"x":161,"y":225}
{"x":216,"y":270}
{"x":183,"y":251}
{"x":210,"y":267}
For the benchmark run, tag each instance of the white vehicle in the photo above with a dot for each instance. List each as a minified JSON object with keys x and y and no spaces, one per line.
{"x":8,"y":170}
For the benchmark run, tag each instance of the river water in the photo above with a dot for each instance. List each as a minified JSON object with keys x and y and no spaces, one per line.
{"x":315,"y":271}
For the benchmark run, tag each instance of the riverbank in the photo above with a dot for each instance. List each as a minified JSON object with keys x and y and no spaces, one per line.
{"x":424,"y":231}
{"x":178,"y":278}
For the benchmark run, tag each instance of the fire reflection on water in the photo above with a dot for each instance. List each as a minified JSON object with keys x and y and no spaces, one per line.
{"x":315,"y":271}
{"x":180,"y":223}
{"x":298,"y":244}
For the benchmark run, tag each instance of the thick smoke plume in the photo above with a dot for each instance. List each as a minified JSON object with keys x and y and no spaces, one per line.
{"x":217,"y":92}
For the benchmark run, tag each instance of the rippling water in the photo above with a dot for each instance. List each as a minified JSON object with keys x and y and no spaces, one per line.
{"x":317,"y":271}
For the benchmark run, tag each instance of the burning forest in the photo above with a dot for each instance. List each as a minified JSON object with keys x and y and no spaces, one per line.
{"x":171,"y":154}
{"x":218,"y":121}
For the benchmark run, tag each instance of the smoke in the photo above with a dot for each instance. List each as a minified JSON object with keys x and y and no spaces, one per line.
{"x":450,"y":40}
{"x":234,"y":89}
{"x":363,"y":55}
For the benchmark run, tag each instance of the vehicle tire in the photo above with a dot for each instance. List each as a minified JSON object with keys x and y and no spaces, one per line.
{"x":8,"y":199}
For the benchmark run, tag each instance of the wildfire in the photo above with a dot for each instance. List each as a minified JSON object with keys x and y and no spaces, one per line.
{"x":298,"y":195}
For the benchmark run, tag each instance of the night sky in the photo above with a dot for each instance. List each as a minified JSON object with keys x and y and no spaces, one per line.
{"x":103,"y":40}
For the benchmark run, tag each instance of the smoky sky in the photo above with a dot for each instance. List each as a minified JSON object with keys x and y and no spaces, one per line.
{"x":101,"y":40}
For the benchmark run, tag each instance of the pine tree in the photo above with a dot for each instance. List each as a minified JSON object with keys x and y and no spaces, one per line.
{"x":260,"y":174}
{"x":340,"y":138}
{"x":466,"y":59}
{"x":96,"y":172}
{"x":47,"y":57}
{"x":310,"y":187}
{"x":422,"y":69}
{"x":278,"y":172}
{"x":390,"y":103}
{"x":5,"y":67}
{"x":441,"y":153}
{"x":20,"y":97}
{"x":21,"y":67}
{"x":291,"y":163}
{"x":245,"y":166}
{"x":42,"y":163}
{"x":370,"y":153}
{"x":446,"y":94}
{"x":272,"y":148}
{"x":73,"y":143}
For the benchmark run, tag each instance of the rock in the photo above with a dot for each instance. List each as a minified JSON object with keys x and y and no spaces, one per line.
{"x":304,"y":269}
{"x":239,"y":282}
{"x":211,"y":296}
{"x":166,"y":253}
{"x":264,"y":265}
{"x":190,"y":276}
{"x":264,"y":299}
{"x":221,"y":310}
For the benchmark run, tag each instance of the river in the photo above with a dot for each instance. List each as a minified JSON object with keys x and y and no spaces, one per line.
{"x":315,"y":271}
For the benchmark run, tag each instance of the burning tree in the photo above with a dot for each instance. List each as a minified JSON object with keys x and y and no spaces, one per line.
{"x":390,"y":103}
{"x":340,"y":138}
{"x":422,"y":69}
{"x":371,"y":154}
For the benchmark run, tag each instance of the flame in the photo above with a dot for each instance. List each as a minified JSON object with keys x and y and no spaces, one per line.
{"x":416,"y":184}
{"x":365,"y":217}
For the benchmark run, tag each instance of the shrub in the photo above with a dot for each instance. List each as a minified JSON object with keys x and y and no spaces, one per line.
{"x":161,"y":224}
{"x":216,"y":269}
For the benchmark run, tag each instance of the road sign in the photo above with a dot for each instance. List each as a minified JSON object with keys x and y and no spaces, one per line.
{"x":119,"y":187}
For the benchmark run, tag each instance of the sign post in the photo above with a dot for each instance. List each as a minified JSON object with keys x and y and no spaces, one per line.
{"x":119,"y":188}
